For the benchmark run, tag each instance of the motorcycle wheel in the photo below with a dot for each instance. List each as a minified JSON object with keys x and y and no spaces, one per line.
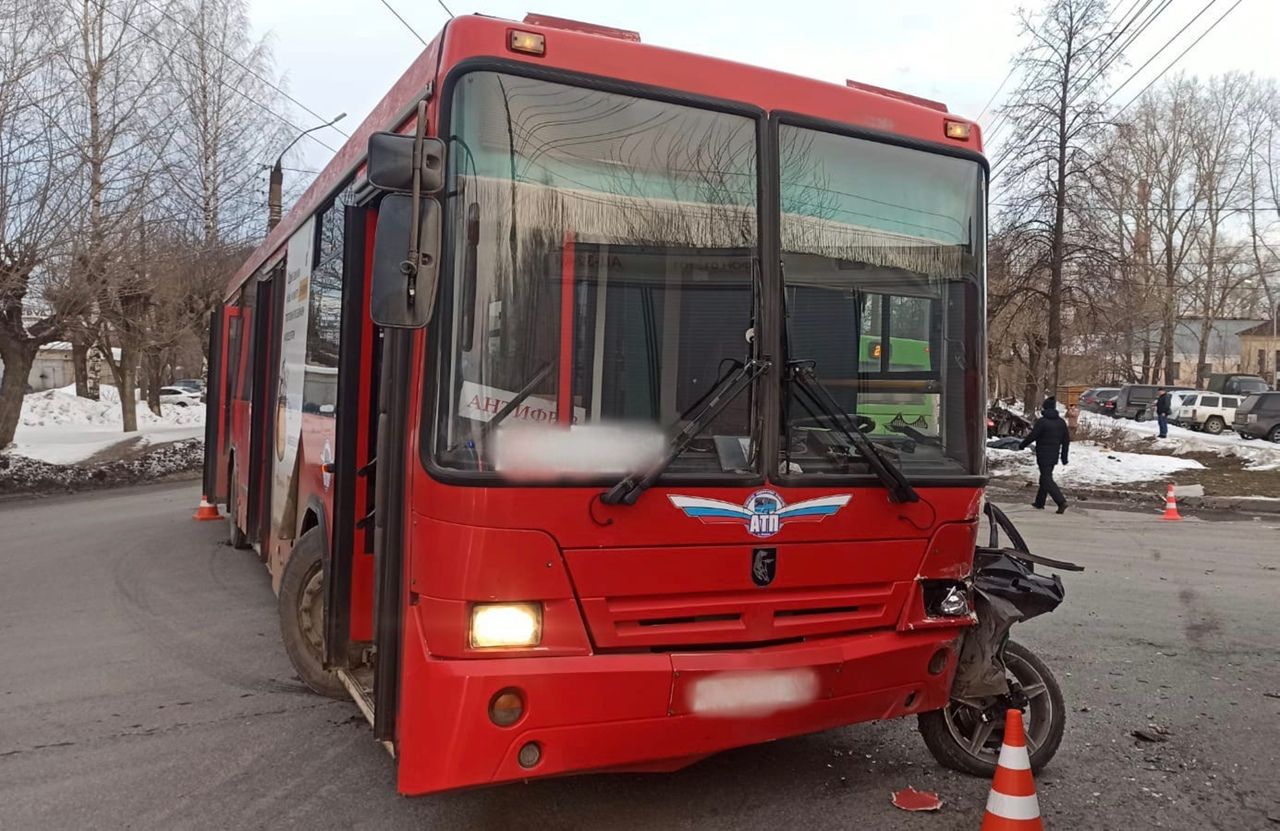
{"x":966,"y":734}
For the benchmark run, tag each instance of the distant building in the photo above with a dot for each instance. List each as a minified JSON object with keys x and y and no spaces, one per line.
{"x":1260,"y":346}
{"x":1224,"y":352}
{"x":52,"y":367}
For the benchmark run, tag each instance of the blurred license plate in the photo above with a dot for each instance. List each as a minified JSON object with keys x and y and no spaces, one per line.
{"x":752,"y":693}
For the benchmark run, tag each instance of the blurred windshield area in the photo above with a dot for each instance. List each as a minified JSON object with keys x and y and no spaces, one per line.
{"x":601,"y":268}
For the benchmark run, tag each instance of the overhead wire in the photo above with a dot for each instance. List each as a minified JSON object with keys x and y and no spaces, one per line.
{"x":1179,"y":57}
{"x":1160,"y":51}
{"x":256,"y":75}
{"x":1103,"y":62}
{"x":412,"y":30}
{"x":996,"y":123}
{"x":282,"y":119}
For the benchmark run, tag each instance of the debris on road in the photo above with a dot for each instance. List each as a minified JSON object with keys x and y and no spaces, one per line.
{"x":1151,"y":734}
{"x":909,"y":799}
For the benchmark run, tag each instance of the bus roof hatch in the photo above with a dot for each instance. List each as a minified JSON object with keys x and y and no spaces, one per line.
{"x":579,"y":26}
{"x":901,"y":96}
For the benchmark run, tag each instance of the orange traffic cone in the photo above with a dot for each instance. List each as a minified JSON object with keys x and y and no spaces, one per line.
{"x":1012,"y":805}
{"x":1171,"y":505}
{"x":207,"y":510}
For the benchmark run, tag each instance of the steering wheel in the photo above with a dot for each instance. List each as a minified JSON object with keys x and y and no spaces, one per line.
{"x":865,"y":423}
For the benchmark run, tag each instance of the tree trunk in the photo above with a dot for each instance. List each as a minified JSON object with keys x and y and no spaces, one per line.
{"x":154,"y":366}
{"x":126,"y":383}
{"x":125,"y":373}
{"x":17,"y":367}
{"x":1206,"y":332}
{"x":80,"y":366}
{"x":1031,"y":387}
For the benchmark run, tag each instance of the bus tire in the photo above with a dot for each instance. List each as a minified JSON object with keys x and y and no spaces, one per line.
{"x":301,"y":607}
{"x":235,"y":537}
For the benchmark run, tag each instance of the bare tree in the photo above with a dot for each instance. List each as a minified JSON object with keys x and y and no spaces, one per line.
{"x":222,"y":131}
{"x":115,"y":67}
{"x":1055,"y":116}
{"x":1219,"y":151}
{"x":33,"y":196}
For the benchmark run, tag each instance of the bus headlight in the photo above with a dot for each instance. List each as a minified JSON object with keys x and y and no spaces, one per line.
{"x":945,"y":598}
{"x":506,"y":624}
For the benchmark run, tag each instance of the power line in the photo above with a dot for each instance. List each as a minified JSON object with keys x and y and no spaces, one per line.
{"x":414,"y":31}
{"x":446,"y":9}
{"x":987,"y":106}
{"x":996,"y":123}
{"x":1180,"y":56}
{"x":1102,"y":60}
{"x":243,"y":66}
{"x":1158,"y":52}
{"x":229,"y":86}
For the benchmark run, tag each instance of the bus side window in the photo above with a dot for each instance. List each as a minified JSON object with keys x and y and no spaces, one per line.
{"x":232,"y":372}
{"x":243,"y":386}
{"x":324,"y":318}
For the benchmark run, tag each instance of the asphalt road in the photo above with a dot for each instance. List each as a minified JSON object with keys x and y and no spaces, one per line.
{"x":143,"y":684}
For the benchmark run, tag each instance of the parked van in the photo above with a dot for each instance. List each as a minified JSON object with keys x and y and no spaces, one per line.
{"x":1236,"y":384}
{"x":1133,"y":400}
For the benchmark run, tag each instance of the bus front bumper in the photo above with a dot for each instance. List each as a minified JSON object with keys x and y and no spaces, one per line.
{"x":654,"y":711}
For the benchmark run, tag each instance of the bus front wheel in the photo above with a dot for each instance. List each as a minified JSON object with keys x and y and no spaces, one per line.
{"x":301,"y":605}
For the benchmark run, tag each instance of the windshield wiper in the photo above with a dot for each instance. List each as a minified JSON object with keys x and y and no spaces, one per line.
{"x":802,"y":378}
{"x":728,"y":388}
{"x":517,"y":399}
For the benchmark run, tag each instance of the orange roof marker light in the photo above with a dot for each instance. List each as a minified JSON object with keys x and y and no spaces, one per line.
{"x":957,"y":129}
{"x":530,"y":43}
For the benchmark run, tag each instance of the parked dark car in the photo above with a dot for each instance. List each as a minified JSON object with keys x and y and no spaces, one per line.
{"x":1258,"y":416}
{"x":1229,"y":383}
{"x":1133,"y":399}
{"x":1106,"y":402}
{"x":1091,"y":399}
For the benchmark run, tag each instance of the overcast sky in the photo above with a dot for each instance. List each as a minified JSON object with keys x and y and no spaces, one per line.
{"x":343,"y":55}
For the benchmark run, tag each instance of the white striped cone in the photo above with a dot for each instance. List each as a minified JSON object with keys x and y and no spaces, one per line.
{"x":1171,"y":505}
{"x":1012,"y":805}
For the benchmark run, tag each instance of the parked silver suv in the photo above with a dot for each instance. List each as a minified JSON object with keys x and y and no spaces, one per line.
{"x":1207,"y":411}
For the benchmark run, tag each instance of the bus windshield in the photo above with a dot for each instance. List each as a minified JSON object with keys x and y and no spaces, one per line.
{"x":883,"y":257}
{"x":601,"y":259}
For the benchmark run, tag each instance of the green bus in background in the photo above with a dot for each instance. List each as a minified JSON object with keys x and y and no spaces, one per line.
{"x":912,"y":409}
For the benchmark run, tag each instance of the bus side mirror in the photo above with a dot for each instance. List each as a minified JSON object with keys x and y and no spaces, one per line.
{"x":390,"y":165}
{"x":402,"y":293}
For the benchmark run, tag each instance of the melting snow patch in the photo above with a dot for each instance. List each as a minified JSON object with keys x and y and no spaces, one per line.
{"x":1090,"y":464}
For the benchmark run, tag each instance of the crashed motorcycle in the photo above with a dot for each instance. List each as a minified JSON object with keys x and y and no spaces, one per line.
{"x":995,"y":674}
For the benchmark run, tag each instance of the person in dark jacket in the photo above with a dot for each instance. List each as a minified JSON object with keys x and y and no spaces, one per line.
{"x":1052,"y":438}
{"x":1164,"y":408}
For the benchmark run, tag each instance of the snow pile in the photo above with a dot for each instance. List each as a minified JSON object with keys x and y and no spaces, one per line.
{"x":1090,"y":465}
{"x":1256,"y":455}
{"x":59,"y":428}
{"x":26,"y":475}
{"x":63,"y":407}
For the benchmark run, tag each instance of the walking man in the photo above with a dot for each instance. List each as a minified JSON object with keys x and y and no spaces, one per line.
{"x":1052,"y":438}
{"x":1164,"y":408}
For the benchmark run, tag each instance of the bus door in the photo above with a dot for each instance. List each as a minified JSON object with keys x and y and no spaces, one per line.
{"x":266,"y":349}
{"x":215,"y":425}
{"x":349,"y":555}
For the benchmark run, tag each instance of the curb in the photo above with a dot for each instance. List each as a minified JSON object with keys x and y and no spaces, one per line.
{"x":1134,"y":500}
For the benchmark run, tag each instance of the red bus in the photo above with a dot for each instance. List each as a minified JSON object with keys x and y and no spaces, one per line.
{"x":547,"y":411}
